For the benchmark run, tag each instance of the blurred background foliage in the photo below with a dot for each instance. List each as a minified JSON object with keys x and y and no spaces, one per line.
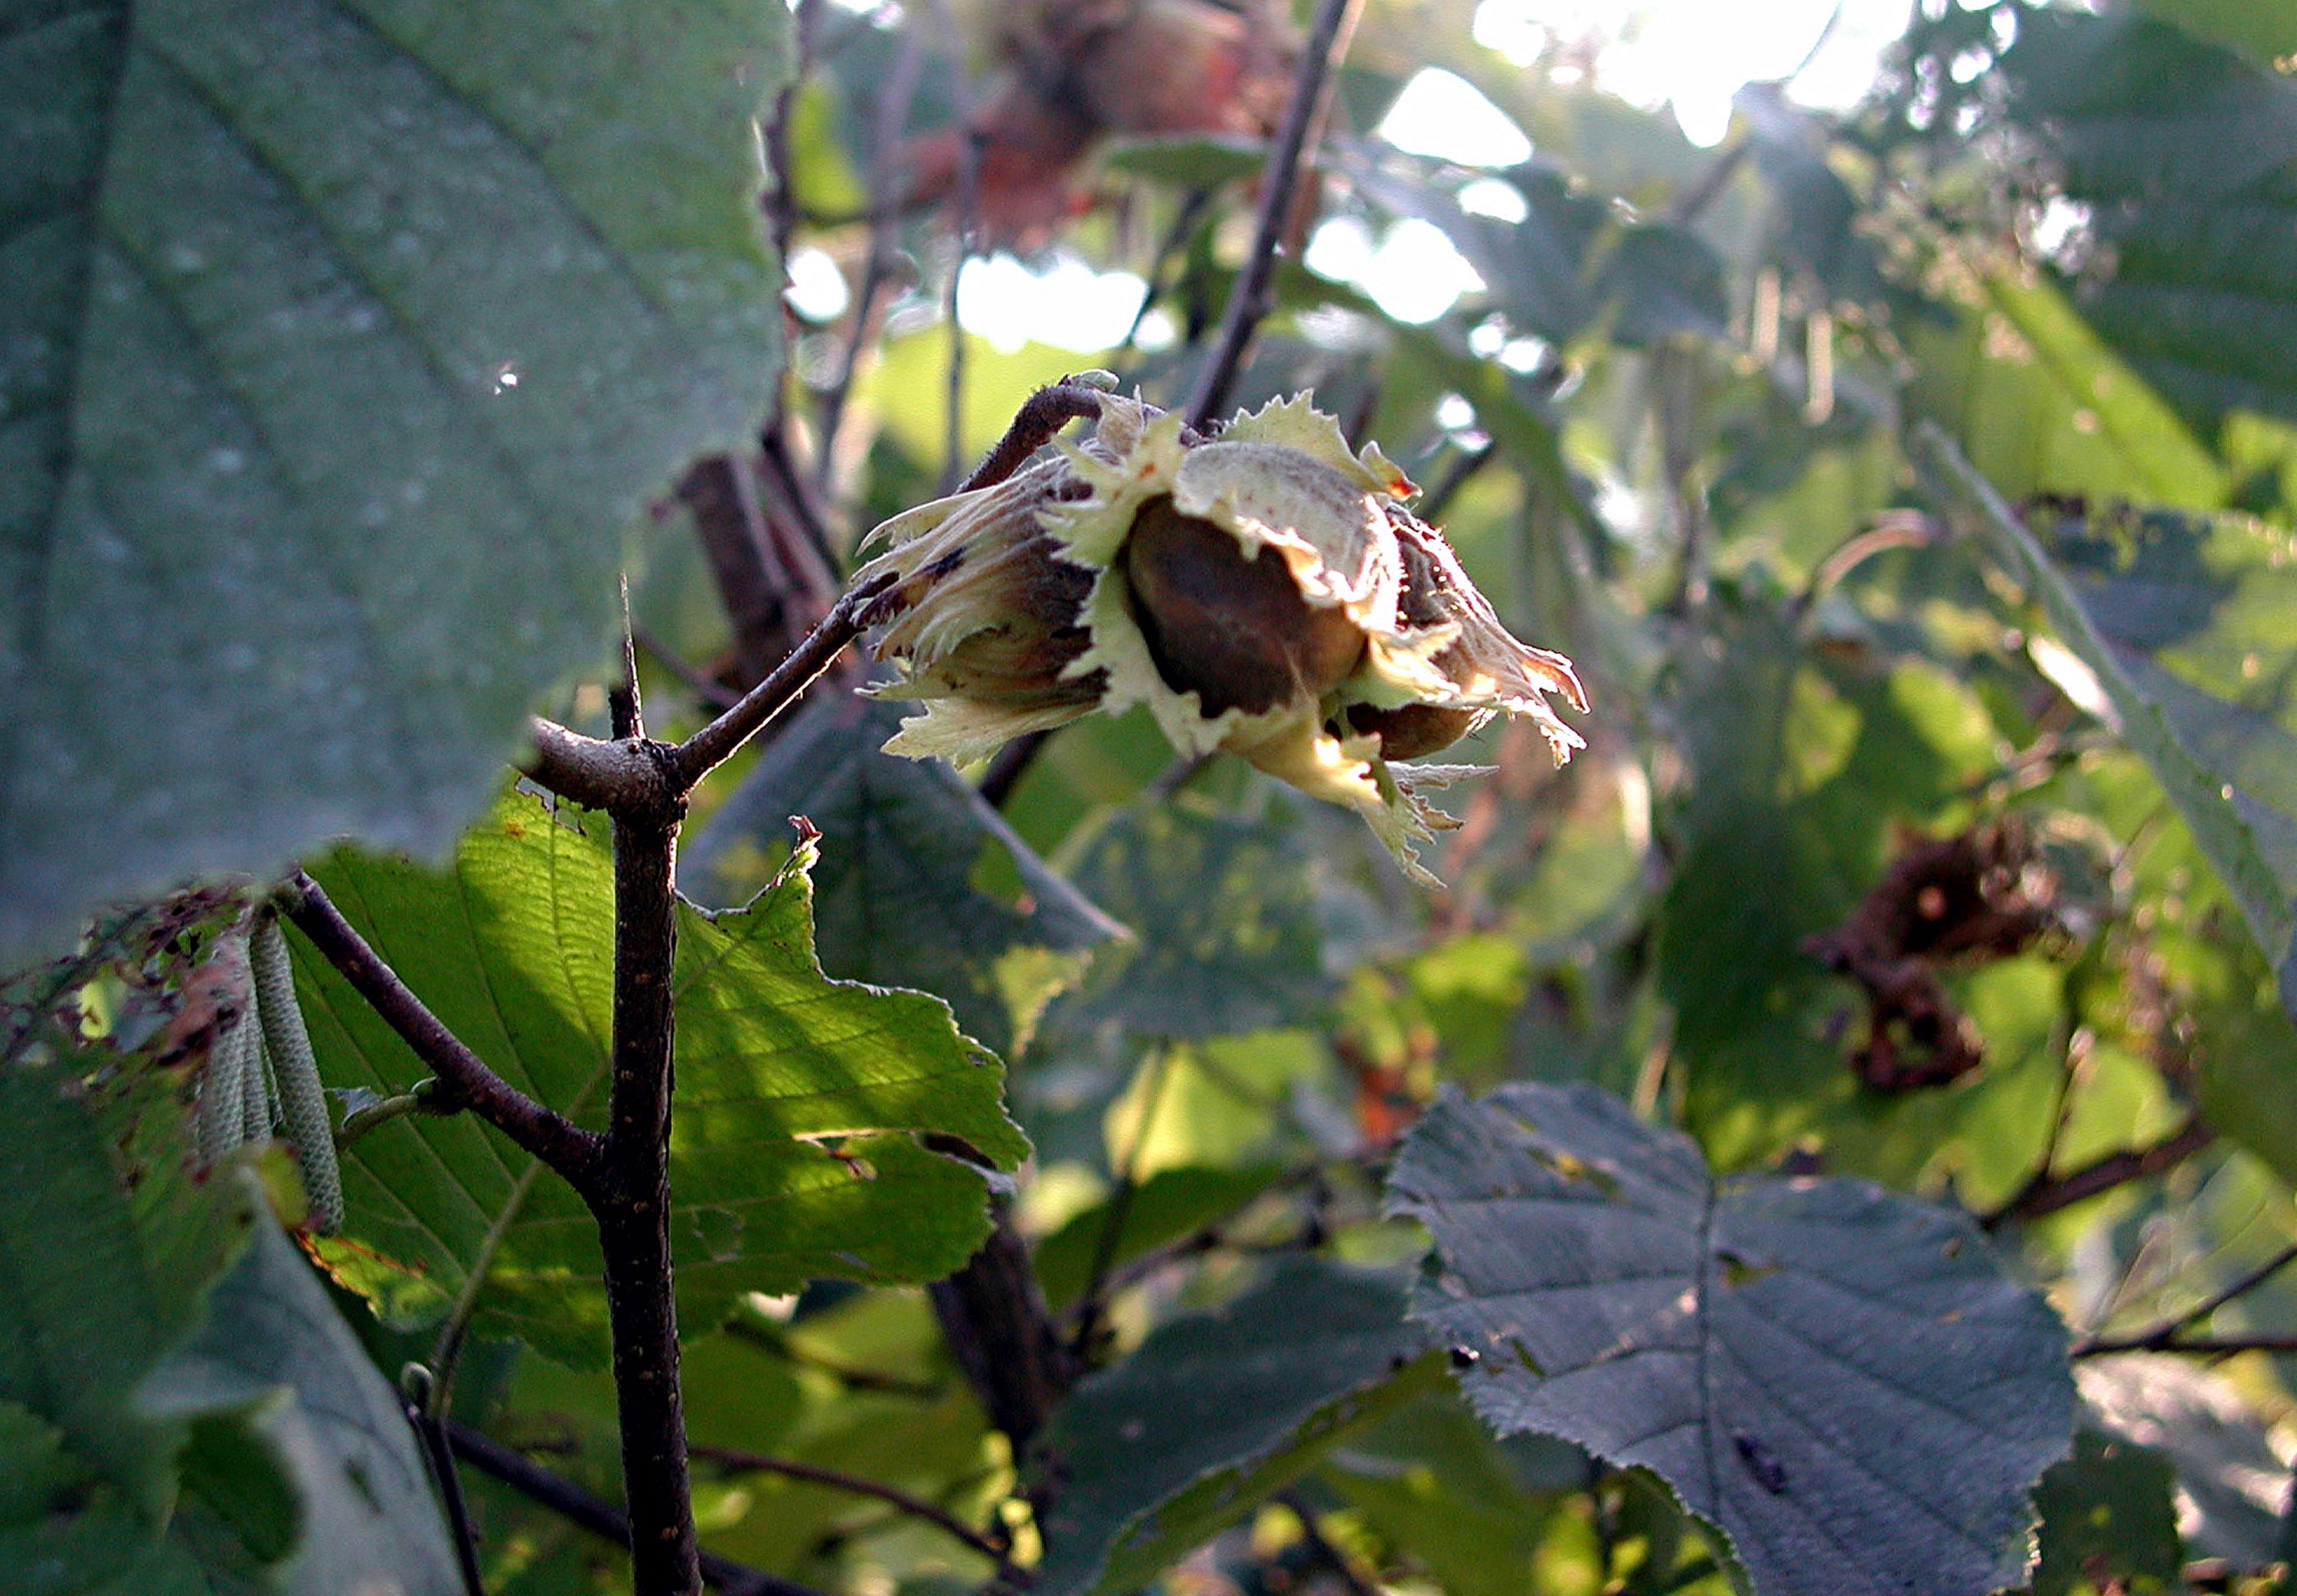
{"x":1893,"y":414}
{"x":1690,"y":383}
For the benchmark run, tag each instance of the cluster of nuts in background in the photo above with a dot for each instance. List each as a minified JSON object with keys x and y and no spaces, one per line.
{"x":1264,"y":591}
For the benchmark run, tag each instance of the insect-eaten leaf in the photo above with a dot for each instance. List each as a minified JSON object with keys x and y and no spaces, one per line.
{"x":795,"y":1149}
{"x":1840,"y":1379}
{"x":909,"y":865}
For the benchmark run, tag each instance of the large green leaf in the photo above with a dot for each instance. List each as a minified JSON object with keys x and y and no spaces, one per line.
{"x":1215,"y":1413}
{"x":2181,"y":624}
{"x":126,"y":1462}
{"x":1223,"y":911}
{"x":274,"y":1352}
{"x":340,"y":343}
{"x":2181,"y":152}
{"x":903,"y":844}
{"x":792,"y":1155}
{"x":1842,"y":1379}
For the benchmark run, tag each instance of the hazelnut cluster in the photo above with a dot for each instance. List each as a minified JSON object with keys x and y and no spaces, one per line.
{"x":1264,"y":591}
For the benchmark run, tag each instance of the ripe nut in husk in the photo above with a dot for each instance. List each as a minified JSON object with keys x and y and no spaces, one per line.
{"x":1262,"y":591}
{"x":1232,"y":629}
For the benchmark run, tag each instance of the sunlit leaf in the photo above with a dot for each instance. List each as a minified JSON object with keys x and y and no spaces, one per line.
{"x":904,"y":844}
{"x":792,"y":1155}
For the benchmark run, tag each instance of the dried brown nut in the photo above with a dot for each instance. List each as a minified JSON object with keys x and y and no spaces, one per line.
{"x":1234,"y":631}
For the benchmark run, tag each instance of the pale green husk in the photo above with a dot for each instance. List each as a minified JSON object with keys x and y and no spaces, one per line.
{"x":995,"y":645}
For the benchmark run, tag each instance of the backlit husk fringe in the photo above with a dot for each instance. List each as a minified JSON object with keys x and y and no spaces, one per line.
{"x":1021,"y":617}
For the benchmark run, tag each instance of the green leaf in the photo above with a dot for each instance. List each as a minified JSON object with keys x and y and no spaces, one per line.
{"x":2179,"y":627}
{"x":1840,"y":1378}
{"x":2108,"y":401}
{"x":903,"y":844}
{"x":101,"y":1490}
{"x":1169,"y":1205}
{"x":80,"y":1321}
{"x":275,"y":1353}
{"x":2265,"y":31}
{"x":1215,"y":1413}
{"x":1226,"y":938}
{"x":792,"y":1152}
{"x":1433,"y":1481}
{"x":2109,"y":1514}
{"x":2179,"y":151}
{"x":343,"y":343}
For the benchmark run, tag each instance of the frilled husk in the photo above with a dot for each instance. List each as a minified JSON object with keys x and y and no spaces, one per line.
{"x":990,"y":623}
{"x":1338,"y":636}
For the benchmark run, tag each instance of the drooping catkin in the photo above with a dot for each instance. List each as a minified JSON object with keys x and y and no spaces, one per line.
{"x":222,"y":1085}
{"x":255,"y":1092}
{"x":295,"y":1075}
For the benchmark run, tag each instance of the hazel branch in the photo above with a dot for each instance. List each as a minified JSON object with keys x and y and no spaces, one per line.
{"x":1247,"y":300}
{"x":684,"y":765}
{"x":602,"y":1519}
{"x":2046,"y":1194}
{"x":2169,"y":1334}
{"x":739,"y":1461}
{"x":465,"y":1078}
{"x":1042,"y":415}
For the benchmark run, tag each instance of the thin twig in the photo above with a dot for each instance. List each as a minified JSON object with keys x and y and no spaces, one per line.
{"x":900,"y":86}
{"x":455,"y":1330}
{"x":465,"y":1078}
{"x":1709,"y":184}
{"x":1439,"y":497}
{"x":917,"y":1507}
{"x":1092,"y":1301}
{"x":855,"y":612}
{"x":2204,"y":1346}
{"x":2164,"y":1336}
{"x":358,"y":1121}
{"x":440,"y":1455}
{"x":1011,"y":764}
{"x":1176,"y":238}
{"x":781,"y":200}
{"x":1328,"y":1554}
{"x":1898,"y":530}
{"x":2046,"y":1194}
{"x":602,"y":1519}
{"x":1041,"y":416}
{"x":968,"y":212}
{"x":1247,"y":300}
{"x":625,"y":712}
{"x":715,"y":693}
